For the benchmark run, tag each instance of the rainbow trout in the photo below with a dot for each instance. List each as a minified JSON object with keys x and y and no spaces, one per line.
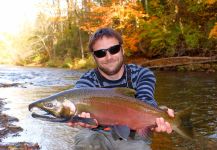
{"x":115,"y":107}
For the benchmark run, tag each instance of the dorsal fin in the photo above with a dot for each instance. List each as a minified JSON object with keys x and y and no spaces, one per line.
{"x":125,"y":91}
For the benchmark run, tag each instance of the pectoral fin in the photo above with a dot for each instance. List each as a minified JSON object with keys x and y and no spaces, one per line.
{"x":121,"y":131}
{"x":89,"y":121}
{"x":146,"y":133}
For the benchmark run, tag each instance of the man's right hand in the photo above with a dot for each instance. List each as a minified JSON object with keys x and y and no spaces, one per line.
{"x":84,"y":115}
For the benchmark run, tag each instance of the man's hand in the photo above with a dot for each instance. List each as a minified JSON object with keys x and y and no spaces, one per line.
{"x":71,"y":106}
{"x":84,"y":115}
{"x":163,"y":126}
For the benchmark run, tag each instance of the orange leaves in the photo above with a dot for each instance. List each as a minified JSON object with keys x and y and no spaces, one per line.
{"x":130,"y":43}
{"x":96,"y":18}
{"x":210,"y":2}
{"x":126,"y":17}
{"x":213,"y":32}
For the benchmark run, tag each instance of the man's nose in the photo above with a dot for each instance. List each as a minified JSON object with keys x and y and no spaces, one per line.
{"x":108,"y":55}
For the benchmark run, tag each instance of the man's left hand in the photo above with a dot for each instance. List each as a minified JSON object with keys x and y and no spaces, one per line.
{"x":162,"y":125}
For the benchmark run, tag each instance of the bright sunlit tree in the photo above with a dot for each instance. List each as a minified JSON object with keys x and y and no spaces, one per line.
{"x":15,"y":16}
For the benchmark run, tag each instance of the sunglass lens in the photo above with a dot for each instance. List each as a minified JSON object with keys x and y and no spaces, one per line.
{"x":114,"y":49}
{"x":99,"y":53}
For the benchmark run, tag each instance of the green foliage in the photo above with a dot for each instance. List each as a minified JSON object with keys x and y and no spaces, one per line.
{"x":39,"y":58}
{"x":83,"y":63}
{"x":161,"y":41}
{"x":155,"y":8}
{"x":192,"y":36}
{"x":54,"y":62}
{"x":178,"y":28}
{"x":68,"y":43}
{"x":67,"y":62}
{"x":196,"y":7}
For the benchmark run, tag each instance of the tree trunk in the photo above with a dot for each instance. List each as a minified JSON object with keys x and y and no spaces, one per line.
{"x":79,"y":32}
{"x":69,"y":13}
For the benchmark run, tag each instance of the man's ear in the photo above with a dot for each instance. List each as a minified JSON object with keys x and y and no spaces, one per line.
{"x":122,"y":50}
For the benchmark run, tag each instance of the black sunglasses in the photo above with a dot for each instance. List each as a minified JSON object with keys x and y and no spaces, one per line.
{"x":112,"y":50}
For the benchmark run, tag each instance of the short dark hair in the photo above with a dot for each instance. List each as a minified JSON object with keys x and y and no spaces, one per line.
{"x":108,"y":32}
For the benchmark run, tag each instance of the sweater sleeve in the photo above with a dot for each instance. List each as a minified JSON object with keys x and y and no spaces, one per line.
{"x":87,"y":80}
{"x":145,"y":86}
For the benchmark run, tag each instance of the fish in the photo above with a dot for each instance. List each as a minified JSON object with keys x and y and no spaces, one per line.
{"x":114,"y":107}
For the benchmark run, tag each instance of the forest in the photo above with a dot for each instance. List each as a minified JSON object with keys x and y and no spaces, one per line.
{"x":151,"y":29}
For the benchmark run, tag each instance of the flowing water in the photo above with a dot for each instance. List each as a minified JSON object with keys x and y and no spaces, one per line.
{"x":174,"y":89}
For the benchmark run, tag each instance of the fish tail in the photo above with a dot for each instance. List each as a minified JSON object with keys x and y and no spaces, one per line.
{"x":182,"y":123}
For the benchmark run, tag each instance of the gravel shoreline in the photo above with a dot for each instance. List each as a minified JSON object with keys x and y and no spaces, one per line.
{"x":7,"y":128}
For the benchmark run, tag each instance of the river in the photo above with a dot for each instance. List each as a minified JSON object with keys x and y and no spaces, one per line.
{"x":177,"y":90}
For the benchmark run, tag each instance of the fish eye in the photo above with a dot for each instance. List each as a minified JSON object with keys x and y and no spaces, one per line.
{"x":48,"y":105}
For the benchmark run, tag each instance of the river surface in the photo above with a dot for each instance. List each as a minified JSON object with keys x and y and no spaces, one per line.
{"x":176,"y":90}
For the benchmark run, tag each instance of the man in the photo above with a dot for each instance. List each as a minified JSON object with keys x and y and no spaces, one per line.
{"x":106,"y":46}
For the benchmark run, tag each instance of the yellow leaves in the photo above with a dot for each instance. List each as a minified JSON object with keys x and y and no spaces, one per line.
{"x":210,"y":2}
{"x":213,"y":32}
{"x":57,"y":19}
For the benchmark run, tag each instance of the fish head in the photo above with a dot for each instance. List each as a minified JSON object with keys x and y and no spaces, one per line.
{"x":55,"y":110}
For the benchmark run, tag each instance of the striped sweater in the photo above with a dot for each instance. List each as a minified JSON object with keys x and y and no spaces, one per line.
{"x":142,"y":79}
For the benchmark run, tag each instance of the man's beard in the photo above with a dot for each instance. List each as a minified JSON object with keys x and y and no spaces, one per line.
{"x":114,"y":71}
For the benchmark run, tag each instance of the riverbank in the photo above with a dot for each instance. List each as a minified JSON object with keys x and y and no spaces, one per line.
{"x":181,"y":64}
{"x":7,"y":128}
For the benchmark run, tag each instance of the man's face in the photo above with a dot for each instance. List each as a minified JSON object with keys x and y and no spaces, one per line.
{"x":111,"y":63}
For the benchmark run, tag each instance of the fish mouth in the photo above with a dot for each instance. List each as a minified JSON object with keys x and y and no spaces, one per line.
{"x":44,"y":114}
{"x":31,"y":106}
{"x":49,"y":117}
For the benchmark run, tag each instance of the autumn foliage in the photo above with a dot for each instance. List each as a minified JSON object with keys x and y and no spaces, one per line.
{"x":152,"y":29}
{"x":213,"y":32}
